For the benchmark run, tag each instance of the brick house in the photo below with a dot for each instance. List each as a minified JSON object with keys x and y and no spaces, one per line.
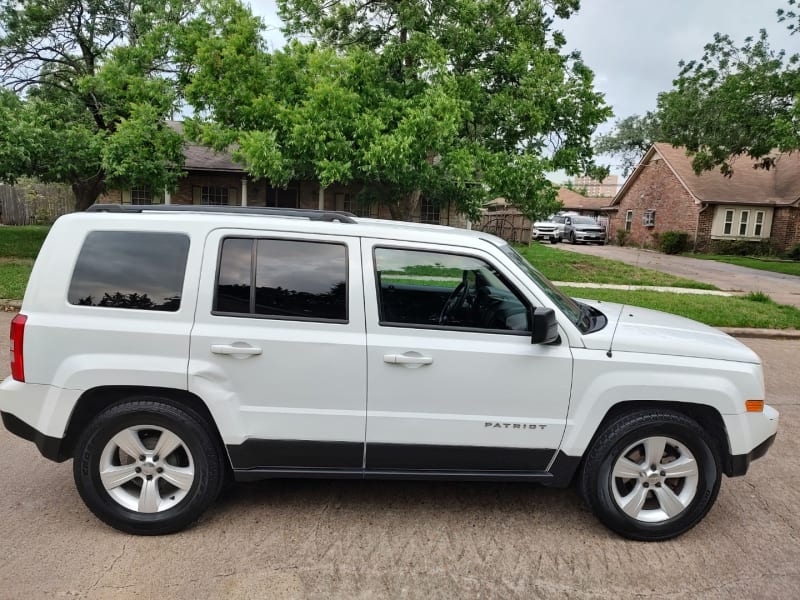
{"x":664,"y":194}
{"x":214,"y":178}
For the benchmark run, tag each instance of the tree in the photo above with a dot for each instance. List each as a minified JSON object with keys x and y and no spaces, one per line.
{"x":735,"y":102}
{"x":630,"y":139}
{"x":87,"y":88}
{"x":461,"y":101}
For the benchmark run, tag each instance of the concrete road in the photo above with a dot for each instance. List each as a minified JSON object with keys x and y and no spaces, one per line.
{"x":351,"y":539}
{"x":784,"y":289}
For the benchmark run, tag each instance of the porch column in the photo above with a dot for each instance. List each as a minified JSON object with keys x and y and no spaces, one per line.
{"x":167,"y":197}
{"x":244,"y":191}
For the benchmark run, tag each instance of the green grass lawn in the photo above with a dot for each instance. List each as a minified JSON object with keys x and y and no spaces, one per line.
{"x":561,"y":265}
{"x":788,"y":267}
{"x":22,"y":242}
{"x":14,"y":277}
{"x":717,"y":311}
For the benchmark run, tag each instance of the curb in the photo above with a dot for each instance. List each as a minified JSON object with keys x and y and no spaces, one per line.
{"x":768,"y":334}
{"x":10,"y":305}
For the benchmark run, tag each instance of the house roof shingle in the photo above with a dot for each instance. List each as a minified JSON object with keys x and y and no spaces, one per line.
{"x":779,"y":185}
{"x":572,"y":200}
{"x":202,"y":158}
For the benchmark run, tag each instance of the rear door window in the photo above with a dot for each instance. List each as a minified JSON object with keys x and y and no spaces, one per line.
{"x":130,"y":269}
{"x":282,"y":279}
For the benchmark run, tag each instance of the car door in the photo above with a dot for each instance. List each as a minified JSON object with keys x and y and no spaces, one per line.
{"x":278,"y":349}
{"x":455,"y":384}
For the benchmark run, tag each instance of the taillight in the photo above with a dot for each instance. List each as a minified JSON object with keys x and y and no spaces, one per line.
{"x":17,"y":337}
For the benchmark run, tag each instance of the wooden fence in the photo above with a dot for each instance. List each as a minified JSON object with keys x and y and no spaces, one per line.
{"x":510,"y":225}
{"x":31,"y":203}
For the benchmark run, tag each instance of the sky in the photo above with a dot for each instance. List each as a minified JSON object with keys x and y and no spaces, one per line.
{"x":634,"y":46}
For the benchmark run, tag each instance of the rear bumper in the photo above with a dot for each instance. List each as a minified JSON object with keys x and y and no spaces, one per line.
{"x":50,"y":447}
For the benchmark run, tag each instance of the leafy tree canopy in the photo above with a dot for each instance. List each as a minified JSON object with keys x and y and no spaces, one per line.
{"x":733,"y":102}
{"x":737,"y":102}
{"x":459,"y":100}
{"x":86,"y":88}
{"x":630,"y":139}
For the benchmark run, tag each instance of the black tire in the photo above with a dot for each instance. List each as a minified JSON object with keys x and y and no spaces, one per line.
{"x":196,"y":436}
{"x":595,"y":479}
{"x":572,"y":239}
{"x":553,"y":240}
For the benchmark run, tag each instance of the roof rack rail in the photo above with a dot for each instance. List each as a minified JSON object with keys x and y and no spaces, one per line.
{"x":304,"y":213}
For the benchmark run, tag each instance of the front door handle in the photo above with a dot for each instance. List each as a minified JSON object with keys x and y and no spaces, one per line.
{"x":234,"y":350}
{"x":409,"y":358}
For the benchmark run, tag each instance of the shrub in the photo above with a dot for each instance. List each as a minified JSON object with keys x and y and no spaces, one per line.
{"x":673,"y":242}
{"x":742,"y":248}
{"x":622,"y":237}
{"x":794,"y":253}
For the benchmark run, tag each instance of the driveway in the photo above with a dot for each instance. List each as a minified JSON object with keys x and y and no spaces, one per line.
{"x":391,"y":539}
{"x":784,"y":289}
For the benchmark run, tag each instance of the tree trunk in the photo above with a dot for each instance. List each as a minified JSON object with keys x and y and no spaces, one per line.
{"x":87,"y":192}
{"x":404,"y":209}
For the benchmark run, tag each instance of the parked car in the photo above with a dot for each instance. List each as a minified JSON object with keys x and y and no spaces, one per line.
{"x":165,"y":349}
{"x":546,"y":230}
{"x":578,"y":229}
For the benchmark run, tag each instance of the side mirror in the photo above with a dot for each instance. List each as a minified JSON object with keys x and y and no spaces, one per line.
{"x":544,"y":326}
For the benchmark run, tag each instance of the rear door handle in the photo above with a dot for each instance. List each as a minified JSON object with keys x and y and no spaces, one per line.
{"x":408,"y":358}
{"x":234,"y":350}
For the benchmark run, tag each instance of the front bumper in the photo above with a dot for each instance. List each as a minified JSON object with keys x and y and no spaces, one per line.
{"x":738,"y":464}
{"x":750,"y":436}
{"x":590,"y":237}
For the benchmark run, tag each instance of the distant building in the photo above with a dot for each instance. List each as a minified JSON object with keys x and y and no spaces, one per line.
{"x":592,"y":188}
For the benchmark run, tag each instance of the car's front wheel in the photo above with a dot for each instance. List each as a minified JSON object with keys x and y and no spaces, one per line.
{"x":148,"y":467}
{"x":651,"y":475}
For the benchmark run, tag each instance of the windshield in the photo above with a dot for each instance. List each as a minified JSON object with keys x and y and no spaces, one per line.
{"x":568,"y":306}
{"x":584,"y":221}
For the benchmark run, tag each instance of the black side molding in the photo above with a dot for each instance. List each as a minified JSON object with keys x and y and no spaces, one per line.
{"x":50,"y":447}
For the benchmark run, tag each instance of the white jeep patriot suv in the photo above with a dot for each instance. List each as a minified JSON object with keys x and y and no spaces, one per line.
{"x":165,"y":349}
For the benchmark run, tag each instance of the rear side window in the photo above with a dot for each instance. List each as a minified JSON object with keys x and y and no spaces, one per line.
{"x":130,"y":269}
{"x":282,"y":279}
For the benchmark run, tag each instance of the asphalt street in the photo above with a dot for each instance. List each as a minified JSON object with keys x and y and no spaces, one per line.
{"x":355,"y":539}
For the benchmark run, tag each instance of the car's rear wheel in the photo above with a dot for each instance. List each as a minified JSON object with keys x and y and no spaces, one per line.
{"x":651,"y":475}
{"x":148,"y":467}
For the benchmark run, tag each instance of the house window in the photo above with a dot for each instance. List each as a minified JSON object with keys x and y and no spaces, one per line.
{"x":728,"y":222}
{"x":649,"y":219}
{"x":349,"y":203}
{"x":759,"y":226}
{"x":428,"y":212}
{"x":213,"y":196}
{"x":746,"y":222}
{"x":628,"y":220}
{"x":141,"y":195}
{"x":745,"y":215}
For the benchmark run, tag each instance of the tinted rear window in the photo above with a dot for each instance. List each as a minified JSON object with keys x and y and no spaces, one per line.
{"x":290,"y":279}
{"x":126,"y":269}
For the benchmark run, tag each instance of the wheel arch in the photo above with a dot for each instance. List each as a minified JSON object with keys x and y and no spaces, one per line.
{"x":708,"y":417}
{"x":95,"y":400}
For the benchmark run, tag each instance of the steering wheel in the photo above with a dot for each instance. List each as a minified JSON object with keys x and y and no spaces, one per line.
{"x":455,"y":301}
